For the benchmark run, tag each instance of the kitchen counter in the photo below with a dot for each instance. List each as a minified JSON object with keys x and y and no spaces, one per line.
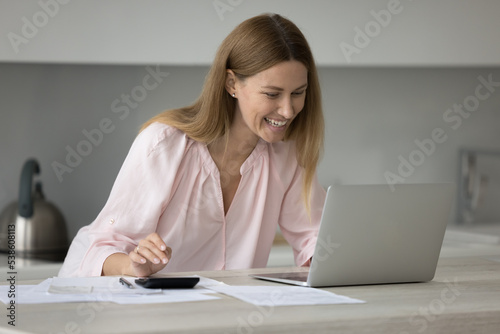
{"x":28,"y":269}
{"x":462,"y":298}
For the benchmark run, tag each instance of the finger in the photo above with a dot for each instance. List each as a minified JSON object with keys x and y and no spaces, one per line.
{"x":151,"y":252}
{"x":168,"y":251}
{"x":157,"y":240}
{"x":136,"y":257}
{"x":160,"y":244}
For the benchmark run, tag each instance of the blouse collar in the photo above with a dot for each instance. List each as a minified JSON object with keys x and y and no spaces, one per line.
{"x":259,"y":149}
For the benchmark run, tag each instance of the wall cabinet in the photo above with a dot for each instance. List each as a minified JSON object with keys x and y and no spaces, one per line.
{"x":341,"y":33}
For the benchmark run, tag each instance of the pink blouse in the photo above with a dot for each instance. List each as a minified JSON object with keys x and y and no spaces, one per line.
{"x":169,"y":184}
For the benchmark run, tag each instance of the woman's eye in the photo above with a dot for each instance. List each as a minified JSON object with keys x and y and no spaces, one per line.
{"x":275,"y":95}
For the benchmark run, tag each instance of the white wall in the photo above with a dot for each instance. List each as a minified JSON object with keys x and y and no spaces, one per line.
{"x":373,"y":116}
{"x":341,"y":32}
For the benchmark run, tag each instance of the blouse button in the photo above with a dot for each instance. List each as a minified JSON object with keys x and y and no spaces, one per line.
{"x":112,"y":221}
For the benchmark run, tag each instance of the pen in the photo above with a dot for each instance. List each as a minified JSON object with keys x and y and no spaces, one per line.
{"x":127,"y":283}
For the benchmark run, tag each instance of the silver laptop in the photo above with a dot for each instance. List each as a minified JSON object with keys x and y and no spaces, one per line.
{"x":370,"y":234}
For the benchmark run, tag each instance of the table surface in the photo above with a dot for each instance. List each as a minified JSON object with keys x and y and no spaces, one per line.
{"x":463,"y":297}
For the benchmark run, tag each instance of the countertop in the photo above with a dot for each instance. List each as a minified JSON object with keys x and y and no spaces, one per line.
{"x":462,"y":298}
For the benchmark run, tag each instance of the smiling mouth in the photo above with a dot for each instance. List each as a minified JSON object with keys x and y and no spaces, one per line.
{"x":276,"y":124}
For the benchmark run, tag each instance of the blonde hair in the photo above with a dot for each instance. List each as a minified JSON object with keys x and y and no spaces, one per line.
{"x":254,"y":46}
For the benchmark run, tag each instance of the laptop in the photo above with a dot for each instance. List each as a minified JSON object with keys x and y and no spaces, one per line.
{"x":371,"y":234}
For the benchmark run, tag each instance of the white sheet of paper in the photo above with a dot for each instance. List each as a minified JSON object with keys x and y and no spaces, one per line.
{"x":206,"y":282}
{"x":168,"y":296}
{"x":28,"y":294}
{"x":103,"y":284}
{"x":284,"y":295}
{"x":103,"y":289}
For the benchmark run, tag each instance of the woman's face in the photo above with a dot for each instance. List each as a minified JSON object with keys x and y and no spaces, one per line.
{"x":268,"y":101}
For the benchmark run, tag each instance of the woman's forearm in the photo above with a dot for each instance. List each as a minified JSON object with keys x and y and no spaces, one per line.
{"x":116,"y":264}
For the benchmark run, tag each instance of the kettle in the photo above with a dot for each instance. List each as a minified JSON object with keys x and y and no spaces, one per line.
{"x":32,"y":227}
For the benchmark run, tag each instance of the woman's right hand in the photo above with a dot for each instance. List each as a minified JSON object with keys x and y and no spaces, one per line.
{"x":150,"y":256}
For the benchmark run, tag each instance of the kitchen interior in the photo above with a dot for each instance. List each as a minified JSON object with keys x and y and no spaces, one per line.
{"x":413,"y":98}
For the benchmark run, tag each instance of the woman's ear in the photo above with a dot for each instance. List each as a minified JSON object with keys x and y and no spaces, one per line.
{"x":230,"y":82}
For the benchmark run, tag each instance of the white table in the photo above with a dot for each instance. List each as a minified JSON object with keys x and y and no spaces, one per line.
{"x":464,"y":297}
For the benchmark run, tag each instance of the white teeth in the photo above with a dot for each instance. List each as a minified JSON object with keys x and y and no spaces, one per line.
{"x":275,"y":123}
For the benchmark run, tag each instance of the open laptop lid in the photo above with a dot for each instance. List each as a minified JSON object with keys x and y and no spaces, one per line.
{"x":370,"y":234}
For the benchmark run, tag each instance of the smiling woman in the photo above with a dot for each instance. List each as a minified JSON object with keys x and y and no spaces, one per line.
{"x":254,"y":46}
{"x":205,"y":187}
{"x":268,"y":101}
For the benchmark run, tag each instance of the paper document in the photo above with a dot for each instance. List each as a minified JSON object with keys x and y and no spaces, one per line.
{"x":104,"y":289}
{"x":109,"y":289}
{"x":284,"y":295}
{"x":95,"y":285}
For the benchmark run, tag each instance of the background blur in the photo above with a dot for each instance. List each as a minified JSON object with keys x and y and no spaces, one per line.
{"x":406,"y":85}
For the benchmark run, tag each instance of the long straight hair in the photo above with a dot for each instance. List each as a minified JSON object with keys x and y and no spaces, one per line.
{"x":254,"y":46}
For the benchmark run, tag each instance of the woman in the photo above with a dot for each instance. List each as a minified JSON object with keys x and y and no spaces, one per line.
{"x":204,"y":187}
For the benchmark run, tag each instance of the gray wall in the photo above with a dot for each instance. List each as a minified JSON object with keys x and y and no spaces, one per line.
{"x":373,"y":115}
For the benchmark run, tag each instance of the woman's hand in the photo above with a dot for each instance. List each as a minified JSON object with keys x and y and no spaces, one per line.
{"x":150,"y":256}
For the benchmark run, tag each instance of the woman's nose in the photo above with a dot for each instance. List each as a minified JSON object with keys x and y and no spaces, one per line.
{"x":286,"y":109}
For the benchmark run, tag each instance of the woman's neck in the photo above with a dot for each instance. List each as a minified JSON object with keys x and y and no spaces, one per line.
{"x":231,"y":150}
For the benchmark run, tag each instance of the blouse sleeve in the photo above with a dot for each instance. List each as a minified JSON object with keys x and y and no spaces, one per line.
{"x":140,"y":193}
{"x":297,"y":228}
